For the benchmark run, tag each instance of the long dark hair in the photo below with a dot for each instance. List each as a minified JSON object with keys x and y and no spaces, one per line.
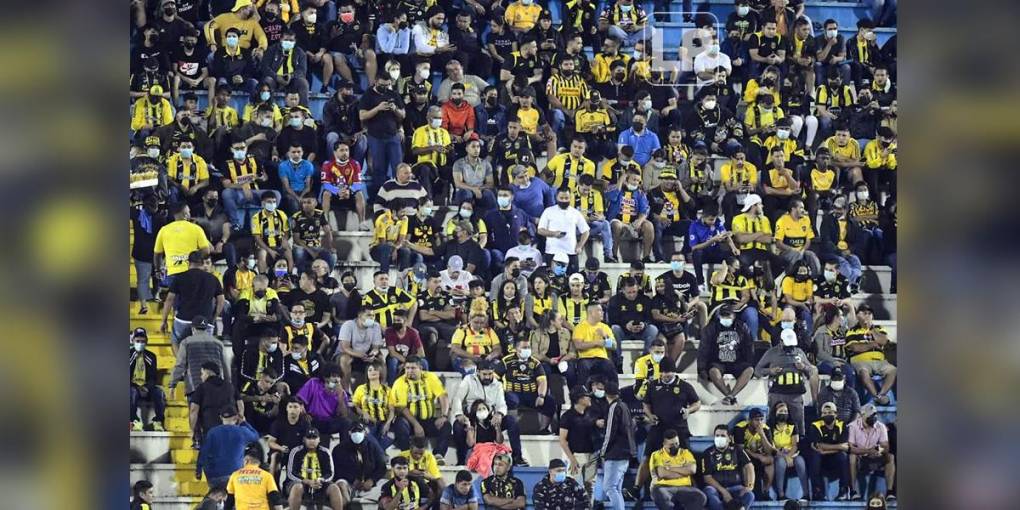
{"x":501,"y":302}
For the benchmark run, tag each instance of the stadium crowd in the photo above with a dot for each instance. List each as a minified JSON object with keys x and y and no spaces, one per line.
{"x":496,"y":152}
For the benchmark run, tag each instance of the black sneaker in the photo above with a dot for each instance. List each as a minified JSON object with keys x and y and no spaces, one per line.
{"x":519,"y":461}
{"x":611,"y":260}
{"x":889,"y":498}
{"x":856,"y":496}
{"x":632,"y":493}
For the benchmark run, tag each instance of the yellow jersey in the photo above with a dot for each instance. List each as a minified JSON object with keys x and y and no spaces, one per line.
{"x":568,"y":169}
{"x":389,"y":229}
{"x":479,"y":343}
{"x":251,"y":487}
{"x":373,"y":400}
{"x":419,"y":397}
{"x":176,"y":240}
{"x":427,"y":136}
{"x":187,"y":173}
{"x":873,"y":156}
{"x":800,"y":291}
{"x":585,"y":121}
{"x":426,"y":464}
{"x":570,"y":91}
{"x":744,"y":224}
{"x":822,"y":179}
{"x":851,"y":151}
{"x":522,"y":17}
{"x":586,"y":332}
{"x":746,"y":175}
{"x":662,"y":458}
{"x":794,"y":233}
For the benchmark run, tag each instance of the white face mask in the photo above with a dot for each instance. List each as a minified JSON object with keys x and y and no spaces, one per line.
{"x":837,"y":385}
{"x":646,"y":104}
{"x":272,"y":347}
{"x":743,"y":10}
{"x":782,"y":134}
{"x":436,"y":123}
{"x":251,"y":264}
{"x":830,"y":276}
{"x":726,"y":322}
{"x":357,"y":437}
{"x":713,"y":48}
{"x":721,"y":442}
{"x":562,"y":367}
{"x":423,"y":74}
{"x":152,"y":152}
{"x":524,"y":353}
{"x":831,"y":34}
{"x":862,"y":195}
{"x":270,"y":206}
{"x":599,"y":393}
{"x":482,"y":414}
{"x":369,"y":322}
{"x":709,"y":105}
{"x":297,"y":355}
{"x":311,"y":17}
{"x":464,"y":213}
{"x":139,"y":346}
{"x":787,"y":324}
{"x":658,"y":357}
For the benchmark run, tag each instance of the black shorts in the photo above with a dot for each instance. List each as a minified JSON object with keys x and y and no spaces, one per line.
{"x":869,"y":464}
{"x":735,"y":368}
{"x":314,"y":496}
{"x":654,"y":439}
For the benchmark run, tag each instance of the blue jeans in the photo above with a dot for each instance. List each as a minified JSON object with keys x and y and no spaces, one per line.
{"x":559,"y":119}
{"x":156,"y":396}
{"x":143,"y":272}
{"x":632,"y":38}
{"x":358,"y":149}
{"x":600,"y":229}
{"x":750,"y":317}
{"x":235,"y":203}
{"x":715,"y":499}
{"x":375,"y":429}
{"x":393,"y":366}
{"x":782,"y":466}
{"x":384,"y":252}
{"x":486,"y":203}
{"x":819,"y":465}
{"x":646,"y":335}
{"x":850,"y":267}
{"x":179,"y":330}
{"x":303,"y":258}
{"x":612,"y":481}
{"x":386,"y":154}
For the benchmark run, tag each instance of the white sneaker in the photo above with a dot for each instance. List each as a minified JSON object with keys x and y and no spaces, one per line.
{"x":365,"y":226}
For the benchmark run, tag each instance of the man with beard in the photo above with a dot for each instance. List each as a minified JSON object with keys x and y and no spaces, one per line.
{"x":340,"y":121}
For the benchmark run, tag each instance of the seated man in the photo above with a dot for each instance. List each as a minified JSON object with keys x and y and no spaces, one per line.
{"x":423,"y":465}
{"x":557,"y":490}
{"x":502,"y":489}
{"x":401,"y":341}
{"x":865,"y":345}
{"x":672,"y":469}
{"x":309,"y":475}
{"x":482,"y":385}
{"x":360,"y":339}
{"x":726,"y":348}
{"x":271,"y":229}
{"x":436,"y":314}
{"x":630,"y":313}
{"x":144,"y":382}
{"x":868,"y":439}
{"x":709,"y":241}
{"x":473,"y":178}
{"x":592,"y":205}
{"x":794,"y":232}
{"x":341,"y":178}
{"x":359,"y":463}
{"x":829,"y":442}
{"x":728,"y":473}
{"x":628,"y":211}
{"x":459,"y":495}
{"x":474,"y":342}
{"x":526,"y":384}
{"x":261,"y":400}
{"x":326,"y":401}
{"x":403,"y":491}
{"x":422,"y":406}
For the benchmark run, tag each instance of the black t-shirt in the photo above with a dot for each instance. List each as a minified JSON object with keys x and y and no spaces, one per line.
{"x":385,"y":123}
{"x":668,"y":401}
{"x":212,"y":396}
{"x":521,"y":66}
{"x":304,"y":137}
{"x":196,"y":291}
{"x":623,"y":310}
{"x":145,"y":239}
{"x":484,"y":432}
{"x":767,"y":45}
{"x":838,"y":288}
{"x":580,"y":430}
{"x":309,"y":38}
{"x":189,"y":65}
{"x":273,"y":29}
{"x":469,"y":251}
{"x":745,"y":25}
{"x":289,"y":435}
{"x":504,"y":44}
{"x":554,"y":346}
{"x":309,"y":227}
{"x":345,"y":37}
{"x":508,"y":487}
{"x":685,"y":286}
{"x":595,"y":287}
{"x":818,"y":433}
{"x":726,"y":466}
{"x":315,"y":303}
{"x":422,"y":231}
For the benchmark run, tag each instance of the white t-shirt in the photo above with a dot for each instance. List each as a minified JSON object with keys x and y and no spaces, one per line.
{"x":567,"y":220}
{"x":530,"y":253}
{"x":449,"y":283}
{"x":705,"y":62}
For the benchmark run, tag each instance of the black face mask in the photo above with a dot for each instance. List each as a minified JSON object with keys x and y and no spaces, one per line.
{"x":169,"y":11}
{"x":800,"y":277}
{"x":567,"y":74}
{"x":828,"y":419}
{"x":271,"y":16}
{"x":260,"y":293}
{"x":769,"y":82}
{"x":789,"y":348}
{"x":618,"y":76}
{"x":189,"y":45}
{"x":211,"y":202}
{"x":347,"y":98}
{"x":781,"y":418}
{"x":871,"y":420}
{"x":884,"y":143}
{"x":349,"y":286}
{"x":402,"y":25}
{"x":673,"y":450}
{"x":491,"y":101}
{"x":563,"y":205}
{"x":638,"y":126}
{"x":515,"y":273}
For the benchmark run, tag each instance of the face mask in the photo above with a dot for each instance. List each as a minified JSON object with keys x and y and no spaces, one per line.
{"x":837,"y":385}
{"x":524,"y":353}
{"x":563,"y":205}
{"x":560,"y":477}
{"x":646,"y":104}
{"x":516,"y":273}
{"x":297,"y":356}
{"x":782,"y":134}
{"x":709,"y":105}
{"x":482,"y":414}
{"x":264,"y":95}
{"x":266,"y":122}
{"x":626,"y":8}
{"x":639,"y":126}
{"x":402,"y":25}
{"x":220,"y":505}
{"x":713,"y":48}
{"x":369,"y":322}
{"x":349,"y":286}
{"x":298,"y":322}
{"x":295,"y":122}
{"x":862,"y":195}
{"x":465,"y":213}
{"x":828,"y":419}
{"x":270,"y":206}
{"x":436,"y":123}
{"x":152,"y":152}
{"x":311,"y":18}
{"x":562,"y":366}
{"x":357,"y":437}
{"x":423,"y":74}
{"x":527,"y":2}
{"x":871,"y":420}
{"x":632,"y":187}
{"x":395,"y":74}
{"x":272,"y":347}
{"x":725,"y":321}
{"x":287,"y":45}
{"x":787,"y":324}
{"x":599,"y":393}
{"x":186,"y":153}
{"x":559,"y":270}
{"x":782,"y":417}
{"x":239,"y":154}
{"x":504,"y":202}
{"x":830,"y":276}
{"x":331,"y":385}
{"x":676,"y":266}
{"x":260,"y":293}
{"x":347,"y":17}
{"x":743,"y":10}
{"x":280,"y":272}
{"x":673,"y":450}
{"x":721,"y":442}
{"x":427,"y":211}
{"x":232,"y":41}
{"x":800,"y":277}
{"x":139,"y":346}
{"x":658,"y":357}
{"x":831,"y":34}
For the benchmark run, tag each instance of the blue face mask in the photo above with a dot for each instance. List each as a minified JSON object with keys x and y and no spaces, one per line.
{"x":295,"y":122}
{"x":264,"y":95}
{"x":559,"y":270}
{"x":281,"y":272}
{"x":787,"y":324}
{"x":560,"y":477}
{"x":504,"y":202}
{"x":287,"y":45}
{"x":676,"y":265}
{"x":186,"y":153}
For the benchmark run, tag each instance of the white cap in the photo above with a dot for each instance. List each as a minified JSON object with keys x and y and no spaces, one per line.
{"x":576,"y":277}
{"x":789,"y":338}
{"x":751,"y":200}
{"x":561,"y":257}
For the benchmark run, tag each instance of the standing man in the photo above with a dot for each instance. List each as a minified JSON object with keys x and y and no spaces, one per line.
{"x":251,"y":486}
{"x":192,"y":293}
{"x":618,"y":447}
{"x":208,"y":400}
{"x":223,"y":448}
{"x":199,"y":348}
{"x":787,"y":366}
{"x":177,"y":239}
{"x":381,"y":111}
{"x":560,"y":225}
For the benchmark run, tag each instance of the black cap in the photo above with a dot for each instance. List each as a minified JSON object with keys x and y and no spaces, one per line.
{"x":195,"y":257}
{"x":837,"y":374}
{"x":864,"y":307}
{"x":612,"y":388}
{"x":228,"y":412}
{"x":199,"y":322}
{"x":344,"y":84}
{"x":578,"y":392}
{"x":592,"y":264}
{"x":311,"y":433}
{"x":557,"y":463}
{"x":211,"y":366}
{"x":140,"y":332}
{"x":667,"y":365}
{"x":756,"y":413}
{"x":637,"y":264}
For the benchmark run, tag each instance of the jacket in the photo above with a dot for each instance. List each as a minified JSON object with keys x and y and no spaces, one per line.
{"x":470,"y":389}
{"x":353,"y":462}
{"x":540,"y":342}
{"x":490,"y":123}
{"x":296,"y":460}
{"x":339,"y":117}
{"x":250,"y":363}
{"x":150,"y":367}
{"x":504,"y":226}
{"x":194,"y":351}
{"x":211,"y":397}
{"x":619,"y":435}
{"x":294,"y":375}
{"x":227,"y":66}
{"x":708,"y":350}
{"x":828,"y":236}
{"x":458,"y":119}
{"x":275,"y":57}
{"x":223,"y":449}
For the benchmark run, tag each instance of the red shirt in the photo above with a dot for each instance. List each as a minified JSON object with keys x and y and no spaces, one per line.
{"x":341,"y":175}
{"x":458,"y":119}
{"x":409,"y":344}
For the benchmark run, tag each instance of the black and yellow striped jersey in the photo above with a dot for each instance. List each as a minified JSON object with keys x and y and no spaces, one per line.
{"x":588,"y":203}
{"x":245,"y":173}
{"x":384,"y":306}
{"x":499,"y":308}
{"x":373,"y":401}
{"x":644,"y":282}
{"x":860,"y":335}
{"x":187,"y":173}
{"x":644,"y":368}
{"x":540,"y":305}
{"x":834,"y":99}
{"x":308,"y":331}
{"x":572,"y":310}
{"x":522,"y":376}
{"x":418,"y":396}
{"x":730,"y":288}
{"x":571,"y":91}
{"x":272,"y":227}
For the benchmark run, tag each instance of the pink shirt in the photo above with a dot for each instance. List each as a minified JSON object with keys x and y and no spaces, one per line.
{"x":862,"y":436}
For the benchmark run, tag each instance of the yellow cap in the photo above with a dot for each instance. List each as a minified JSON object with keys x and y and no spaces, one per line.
{"x":156,"y":90}
{"x":240,"y":4}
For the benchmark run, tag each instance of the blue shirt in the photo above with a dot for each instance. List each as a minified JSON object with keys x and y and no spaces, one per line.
{"x":504,"y":226}
{"x":644,"y":144}
{"x":223,"y":449}
{"x":296,"y":175}
{"x":454,"y":499}
{"x":699,"y":232}
{"x":615,"y":198}
{"x":535,"y":198}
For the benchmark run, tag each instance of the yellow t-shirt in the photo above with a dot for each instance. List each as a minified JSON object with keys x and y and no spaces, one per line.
{"x":426,"y":136}
{"x":873,"y":156}
{"x":389,"y":229}
{"x":662,"y":458}
{"x":585,"y":121}
{"x":475,"y":343}
{"x":585,"y":332}
{"x":822,"y":180}
{"x":418,"y":396}
{"x":852,"y":150}
{"x":747,"y":175}
{"x":801,"y":291}
{"x":782,"y":436}
{"x":522,"y":17}
{"x":426,"y":464}
{"x":568,"y":169}
{"x":251,"y":487}
{"x":176,"y":241}
{"x":794,"y":233}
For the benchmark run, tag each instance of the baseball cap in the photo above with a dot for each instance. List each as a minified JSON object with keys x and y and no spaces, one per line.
{"x":228,"y":412}
{"x":456,"y":263}
{"x":752,"y":200}
{"x":199,"y":322}
{"x":789,"y":337}
{"x":140,"y":332}
{"x":864,"y":308}
{"x":156,"y":90}
{"x":667,"y":365}
{"x":311,"y":433}
{"x":756,"y":413}
{"x":668,"y":173}
{"x":240,"y":4}
{"x":561,"y":258}
{"x":152,"y":141}
{"x":828,"y":406}
{"x":557,"y":463}
{"x":868,"y":410}
{"x":592,"y":264}
{"x":576,"y":277}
